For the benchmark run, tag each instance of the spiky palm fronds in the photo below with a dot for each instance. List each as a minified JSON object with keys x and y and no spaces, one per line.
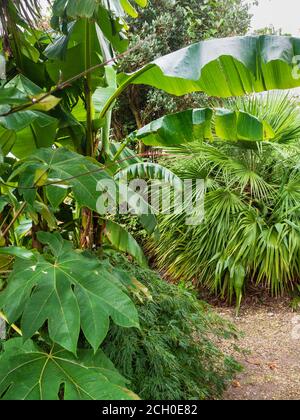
{"x":29,"y":10}
{"x":252,"y":209}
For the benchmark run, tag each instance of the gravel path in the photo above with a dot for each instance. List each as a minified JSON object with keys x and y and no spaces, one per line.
{"x":272,"y":357}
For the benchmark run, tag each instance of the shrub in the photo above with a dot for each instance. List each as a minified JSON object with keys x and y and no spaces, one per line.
{"x":173,"y":356}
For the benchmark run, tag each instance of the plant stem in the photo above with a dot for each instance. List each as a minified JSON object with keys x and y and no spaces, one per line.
{"x":86,"y":240}
{"x":18,"y":213}
{"x":13,"y":326}
{"x":88,"y":93}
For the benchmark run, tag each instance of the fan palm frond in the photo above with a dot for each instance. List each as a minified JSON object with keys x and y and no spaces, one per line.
{"x":24,"y":12}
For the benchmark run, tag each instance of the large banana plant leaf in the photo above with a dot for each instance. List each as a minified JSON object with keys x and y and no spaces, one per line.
{"x":149,"y":170}
{"x":222,"y":67}
{"x":204,"y":124}
{"x":87,"y":8}
{"x":226,"y":67}
{"x":106,"y":26}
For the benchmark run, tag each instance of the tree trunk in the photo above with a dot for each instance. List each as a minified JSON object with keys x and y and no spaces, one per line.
{"x":134,"y":108}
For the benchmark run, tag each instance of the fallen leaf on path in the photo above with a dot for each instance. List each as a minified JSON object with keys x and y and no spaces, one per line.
{"x":236,"y":384}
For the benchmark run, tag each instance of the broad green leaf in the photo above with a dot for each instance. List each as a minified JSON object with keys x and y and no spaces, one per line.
{"x":4,"y":200}
{"x":33,"y":96}
{"x":142,"y":3}
{"x":65,"y":168}
{"x":40,"y":132}
{"x":125,"y":157}
{"x":129,"y":9}
{"x":177,"y":128}
{"x":149,"y":222}
{"x":58,"y":48}
{"x":113,"y":28}
{"x":102,"y":94}
{"x":33,"y":129}
{"x":75,"y":8}
{"x":123,"y":241}
{"x":17,"y":252}
{"x":222,"y":67}
{"x":29,"y":372}
{"x":7,"y":140}
{"x":226,"y":67}
{"x":204,"y":124}
{"x":69,"y":290}
{"x":240,"y":125}
{"x":24,"y":85}
{"x":43,"y":102}
{"x":72,"y":57}
{"x":12,"y":96}
{"x":81,"y":8}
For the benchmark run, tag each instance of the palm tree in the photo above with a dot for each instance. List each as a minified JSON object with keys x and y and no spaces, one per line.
{"x":250,"y":232}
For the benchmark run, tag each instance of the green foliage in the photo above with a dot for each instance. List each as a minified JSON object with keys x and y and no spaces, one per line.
{"x":173,"y":356}
{"x":205,"y":124}
{"x":163,"y":27}
{"x":250,"y":232}
{"x":33,"y":372}
{"x":70,"y":291}
{"x":55,"y":118}
{"x":123,"y":241}
{"x":55,"y":170}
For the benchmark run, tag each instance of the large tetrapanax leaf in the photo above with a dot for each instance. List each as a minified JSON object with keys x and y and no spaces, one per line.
{"x":204,"y":124}
{"x":69,"y":290}
{"x":29,"y":372}
{"x":87,"y":8}
{"x":61,"y":168}
{"x":33,"y":130}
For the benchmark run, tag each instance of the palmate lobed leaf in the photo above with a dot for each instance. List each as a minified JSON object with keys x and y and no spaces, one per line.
{"x":69,"y":290}
{"x":22,"y":91}
{"x":62,"y":169}
{"x":29,"y":372}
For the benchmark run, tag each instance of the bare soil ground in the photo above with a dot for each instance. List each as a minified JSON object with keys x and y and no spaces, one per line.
{"x":271,"y":360}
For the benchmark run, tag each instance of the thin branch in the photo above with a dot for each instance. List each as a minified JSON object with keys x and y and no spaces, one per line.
{"x":14,"y":219}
